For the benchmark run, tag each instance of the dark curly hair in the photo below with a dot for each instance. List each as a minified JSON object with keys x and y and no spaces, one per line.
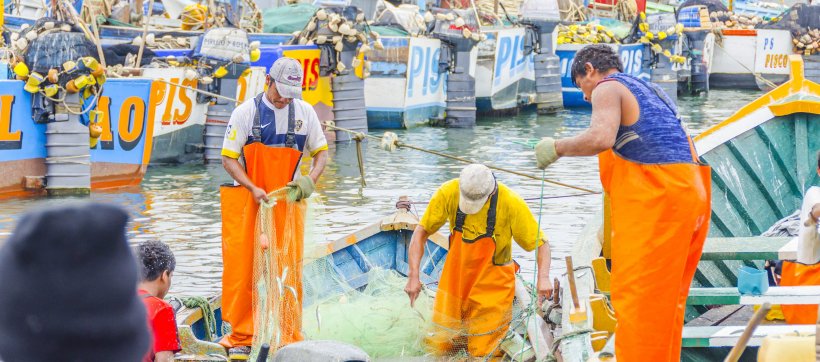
{"x":601,"y":56}
{"x":155,"y":257}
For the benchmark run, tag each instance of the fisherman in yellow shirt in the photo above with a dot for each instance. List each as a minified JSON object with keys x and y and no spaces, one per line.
{"x":473,"y":305}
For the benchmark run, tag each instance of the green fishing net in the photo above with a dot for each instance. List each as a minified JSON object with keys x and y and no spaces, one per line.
{"x":377,"y":319}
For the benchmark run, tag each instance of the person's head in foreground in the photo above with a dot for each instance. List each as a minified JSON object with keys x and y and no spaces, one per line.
{"x":591,"y":65}
{"x":69,"y":284}
{"x":284,"y":82}
{"x":476,"y":184}
{"x":157,"y":266}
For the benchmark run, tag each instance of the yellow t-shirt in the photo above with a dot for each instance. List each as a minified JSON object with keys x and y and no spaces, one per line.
{"x":513,"y":220}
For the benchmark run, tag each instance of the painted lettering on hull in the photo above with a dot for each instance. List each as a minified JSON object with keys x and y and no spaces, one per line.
{"x":9,"y":139}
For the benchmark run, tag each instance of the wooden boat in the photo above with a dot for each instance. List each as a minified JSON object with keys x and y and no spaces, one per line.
{"x":382,"y":244}
{"x":762,"y":159}
{"x":501,"y":65}
{"x":406,"y":87}
{"x":632,"y":56}
{"x":30,"y":156}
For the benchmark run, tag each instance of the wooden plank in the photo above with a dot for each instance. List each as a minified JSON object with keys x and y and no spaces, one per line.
{"x":747,"y":248}
{"x":775,"y":295}
{"x":726,"y":336}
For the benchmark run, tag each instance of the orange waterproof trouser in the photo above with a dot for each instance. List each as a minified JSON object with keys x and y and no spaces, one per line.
{"x":269,"y":168}
{"x":796,"y":274}
{"x":474,"y":299}
{"x":660,"y":218}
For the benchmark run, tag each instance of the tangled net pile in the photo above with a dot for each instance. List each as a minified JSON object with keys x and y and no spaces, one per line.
{"x":370,"y":310}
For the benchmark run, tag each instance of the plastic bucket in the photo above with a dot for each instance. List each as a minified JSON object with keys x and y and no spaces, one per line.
{"x":752,"y":281}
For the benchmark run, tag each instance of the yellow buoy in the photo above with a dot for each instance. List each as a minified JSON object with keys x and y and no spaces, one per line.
{"x":33,"y":82}
{"x":21,"y":69}
{"x":255,"y":54}
{"x":220,"y":72}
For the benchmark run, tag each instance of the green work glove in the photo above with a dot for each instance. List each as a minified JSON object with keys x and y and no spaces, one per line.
{"x":545,"y":153}
{"x":300,"y":189}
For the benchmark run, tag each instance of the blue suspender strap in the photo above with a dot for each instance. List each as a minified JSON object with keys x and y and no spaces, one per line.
{"x":290,"y":137}
{"x":256,"y":131}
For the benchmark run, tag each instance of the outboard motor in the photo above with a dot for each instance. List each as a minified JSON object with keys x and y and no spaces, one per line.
{"x":61,"y":70}
{"x":458,"y":31}
{"x":697,"y":27}
{"x":541,"y":19}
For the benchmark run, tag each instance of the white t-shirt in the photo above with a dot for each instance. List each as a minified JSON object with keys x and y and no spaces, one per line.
{"x":308,"y":130}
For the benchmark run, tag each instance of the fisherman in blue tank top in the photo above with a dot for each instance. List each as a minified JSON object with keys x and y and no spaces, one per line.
{"x":659,"y":198}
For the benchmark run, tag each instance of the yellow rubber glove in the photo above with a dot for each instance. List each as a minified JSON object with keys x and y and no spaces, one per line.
{"x":545,"y":153}
{"x":300,"y":189}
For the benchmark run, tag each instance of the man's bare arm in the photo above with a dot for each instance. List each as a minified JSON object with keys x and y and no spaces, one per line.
{"x":319,"y":163}
{"x":603,"y":127}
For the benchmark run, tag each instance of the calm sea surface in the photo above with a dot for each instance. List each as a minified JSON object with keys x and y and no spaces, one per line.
{"x":180,"y":204}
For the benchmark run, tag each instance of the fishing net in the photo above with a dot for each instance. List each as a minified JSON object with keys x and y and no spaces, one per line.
{"x":369,"y":309}
{"x":277,"y":273}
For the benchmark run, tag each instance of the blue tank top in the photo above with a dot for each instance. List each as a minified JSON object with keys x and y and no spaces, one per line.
{"x":658,"y":136}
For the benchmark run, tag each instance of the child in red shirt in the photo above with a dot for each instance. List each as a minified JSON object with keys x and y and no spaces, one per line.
{"x":157,"y":264}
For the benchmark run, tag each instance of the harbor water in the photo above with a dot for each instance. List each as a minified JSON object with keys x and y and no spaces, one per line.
{"x":179,"y":204}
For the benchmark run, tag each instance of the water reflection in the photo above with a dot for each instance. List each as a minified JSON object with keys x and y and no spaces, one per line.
{"x":180,"y":204}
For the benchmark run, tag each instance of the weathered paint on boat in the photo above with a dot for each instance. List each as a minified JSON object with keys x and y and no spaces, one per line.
{"x":405,"y":87}
{"x":119,"y":159}
{"x":742,"y":57}
{"x":381,"y":244}
{"x":763,"y":158}
{"x":179,"y":117}
{"x":501,"y":64}
{"x":633,"y":58}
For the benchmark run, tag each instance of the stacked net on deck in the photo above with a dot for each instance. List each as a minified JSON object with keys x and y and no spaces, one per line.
{"x":370,"y":310}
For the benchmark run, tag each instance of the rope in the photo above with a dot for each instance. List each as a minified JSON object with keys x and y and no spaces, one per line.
{"x":207,"y":314}
{"x":198,"y":90}
{"x":757,"y":75}
{"x":464,"y":160}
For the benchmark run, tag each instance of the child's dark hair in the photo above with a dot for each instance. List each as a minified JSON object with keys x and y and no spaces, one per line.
{"x":155,"y":257}
{"x":601,"y":56}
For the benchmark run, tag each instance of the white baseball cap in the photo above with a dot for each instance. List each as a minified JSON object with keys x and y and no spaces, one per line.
{"x":287,"y":75}
{"x":475,"y":184}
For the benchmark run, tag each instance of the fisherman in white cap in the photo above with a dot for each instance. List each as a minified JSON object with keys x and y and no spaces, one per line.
{"x":270,"y":133}
{"x":473,"y":305}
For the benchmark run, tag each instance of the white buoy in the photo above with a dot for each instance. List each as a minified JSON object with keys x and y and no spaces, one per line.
{"x":206,"y":80}
{"x":428,"y":17}
{"x":359,"y":17}
{"x":239,"y":58}
{"x":22,"y":43}
{"x":321,"y":14}
{"x":137,"y":41}
{"x":302,"y":40}
{"x":459,"y":22}
{"x":467,"y":33}
{"x":311,"y":26}
{"x":150,"y":40}
{"x":365,"y":49}
{"x":321,"y":39}
{"x":48,"y":25}
{"x":337,"y":39}
{"x":15,"y":36}
{"x":340,"y":67}
{"x":344,"y":28}
{"x":378,"y":45}
{"x":451,"y":17}
{"x":65,"y":27}
{"x":339,"y":46}
{"x":190,"y":74}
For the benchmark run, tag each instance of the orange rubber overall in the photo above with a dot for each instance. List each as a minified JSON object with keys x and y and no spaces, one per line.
{"x":796,"y":274}
{"x":660,"y":217}
{"x":269,"y":168}
{"x":474,"y":301}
